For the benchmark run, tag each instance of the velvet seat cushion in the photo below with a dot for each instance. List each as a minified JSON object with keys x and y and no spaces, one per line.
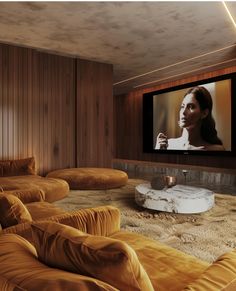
{"x":27,"y":195}
{"x":21,"y":175}
{"x":106,"y":259}
{"x":91,"y":178}
{"x":167,"y":268}
{"x":43,"y":210}
{"x":20,"y":265}
{"x":221,"y":275}
{"x":53,"y":189}
{"x":12,"y":211}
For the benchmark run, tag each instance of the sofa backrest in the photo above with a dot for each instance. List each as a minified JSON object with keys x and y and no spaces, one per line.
{"x":20,"y":265}
{"x":17,"y":167}
{"x":102,"y":220}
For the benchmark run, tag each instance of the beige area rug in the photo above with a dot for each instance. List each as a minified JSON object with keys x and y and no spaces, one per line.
{"x":206,"y":236}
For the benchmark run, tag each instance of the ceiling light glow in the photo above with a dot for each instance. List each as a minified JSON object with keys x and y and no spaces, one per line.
{"x":230,"y":15}
{"x":177,"y":75}
{"x":175,"y":64}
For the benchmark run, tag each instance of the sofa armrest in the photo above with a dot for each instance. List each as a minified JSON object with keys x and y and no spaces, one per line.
{"x":104,"y":220}
{"x":220,"y":276}
{"x":27,"y":195}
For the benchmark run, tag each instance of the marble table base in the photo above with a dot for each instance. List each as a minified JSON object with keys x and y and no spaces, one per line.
{"x":177,"y":199}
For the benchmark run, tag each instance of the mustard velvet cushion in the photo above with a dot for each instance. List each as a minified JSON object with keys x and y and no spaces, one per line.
{"x":54,"y":189}
{"x":91,"y":178}
{"x":109,"y":260}
{"x":221,"y":275}
{"x":12,"y":211}
{"x":19,"y":264}
{"x":28,"y":195}
{"x":17,"y":167}
{"x":168,"y":269}
{"x":6,"y":285}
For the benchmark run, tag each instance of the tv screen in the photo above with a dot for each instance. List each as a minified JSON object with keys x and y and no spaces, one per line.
{"x":192,"y":118}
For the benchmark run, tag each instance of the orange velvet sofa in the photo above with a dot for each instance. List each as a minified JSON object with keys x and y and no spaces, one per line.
{"x":168,"y":269}
{"x":20,"y":176}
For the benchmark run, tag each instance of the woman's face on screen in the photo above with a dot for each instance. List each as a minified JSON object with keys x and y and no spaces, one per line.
{"x":190,"y":113}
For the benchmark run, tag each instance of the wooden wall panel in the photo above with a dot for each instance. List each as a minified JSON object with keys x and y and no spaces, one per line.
{"x":94,"y":114}
{"x":128,"y":128}
{"x":37,"y":112}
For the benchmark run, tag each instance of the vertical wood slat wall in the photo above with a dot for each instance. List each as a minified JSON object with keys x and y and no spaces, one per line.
{"x":128,"y":122}
{"x":94,"y":114}
{"x":38,"y":109}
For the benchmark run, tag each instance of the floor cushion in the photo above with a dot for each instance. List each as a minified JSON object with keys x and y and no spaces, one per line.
{"x":91,"y":178}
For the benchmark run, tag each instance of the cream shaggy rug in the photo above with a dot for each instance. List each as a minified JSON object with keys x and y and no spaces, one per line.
{"x":206,"y":235}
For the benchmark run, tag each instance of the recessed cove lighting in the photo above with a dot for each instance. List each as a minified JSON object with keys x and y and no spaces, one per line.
{"x":230,"y":15}
{"x":175,"y":64}
{"x":177,"y":75}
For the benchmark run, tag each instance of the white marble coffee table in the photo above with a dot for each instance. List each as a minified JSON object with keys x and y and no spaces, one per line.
{"x":178,"y":199}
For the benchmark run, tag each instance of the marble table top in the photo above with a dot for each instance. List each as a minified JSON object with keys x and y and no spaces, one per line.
{"x":177,"y":199}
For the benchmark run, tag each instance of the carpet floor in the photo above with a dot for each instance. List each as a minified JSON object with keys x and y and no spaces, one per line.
{"x":206,"y":236}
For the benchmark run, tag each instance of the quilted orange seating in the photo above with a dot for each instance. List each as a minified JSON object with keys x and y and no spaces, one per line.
{"x":19,"y":177}
{"x":91,"y":178}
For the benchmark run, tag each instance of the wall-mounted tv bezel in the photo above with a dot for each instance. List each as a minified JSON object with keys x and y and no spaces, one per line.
{"x":148,"y":137}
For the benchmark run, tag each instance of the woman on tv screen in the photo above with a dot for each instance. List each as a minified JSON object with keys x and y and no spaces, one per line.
{"x":196,"y":122}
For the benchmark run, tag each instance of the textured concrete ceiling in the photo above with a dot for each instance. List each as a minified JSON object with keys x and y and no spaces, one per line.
{"x":136,"y":37}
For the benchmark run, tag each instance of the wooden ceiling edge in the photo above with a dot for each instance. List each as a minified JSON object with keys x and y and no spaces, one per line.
{"x":187,"y":79}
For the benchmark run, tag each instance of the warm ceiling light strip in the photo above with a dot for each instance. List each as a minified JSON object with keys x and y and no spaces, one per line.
{"x":230,"y":15}
{"x":175,"y":64}
{"x":163,"y":79}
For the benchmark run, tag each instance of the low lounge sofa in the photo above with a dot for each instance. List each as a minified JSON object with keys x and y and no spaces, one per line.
{"x":20,"y":176}
{"x":167,"y":268}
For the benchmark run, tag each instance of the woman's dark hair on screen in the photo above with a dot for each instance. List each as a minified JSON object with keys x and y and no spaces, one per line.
{"x":208,"y":130}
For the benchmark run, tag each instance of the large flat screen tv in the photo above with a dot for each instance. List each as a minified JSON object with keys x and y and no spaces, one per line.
{"x":194,"y":118}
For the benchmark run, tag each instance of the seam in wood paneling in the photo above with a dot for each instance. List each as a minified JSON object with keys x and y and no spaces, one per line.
{"x":94,"y":114}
